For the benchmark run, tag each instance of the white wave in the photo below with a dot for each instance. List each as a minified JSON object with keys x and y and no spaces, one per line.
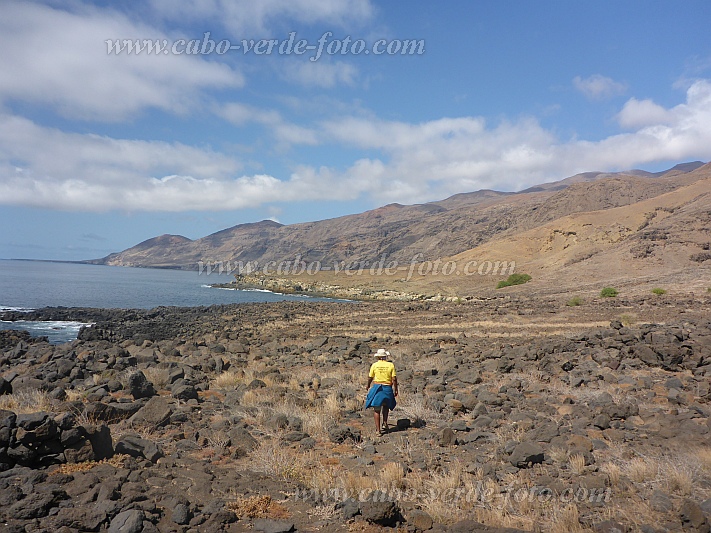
{"x":49,"y":324}
{"x":4,"y":308}
{"x":259,"y":290}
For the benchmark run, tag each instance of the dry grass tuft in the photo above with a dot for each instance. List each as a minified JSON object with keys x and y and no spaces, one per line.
{"x":566,"y":520}
{"x":576,"y":463}
{"x":257,"y":507}
{"x":25,"y":402}
{"x":117,"y":461}
{"x":642,"y":469}
{"x":276,"y":459}
{"x":414,"y":407}
{"x":614,"y":473}
{"x":392,"y":476}
{"x":228,"y":380}
{"x":158,"y":376}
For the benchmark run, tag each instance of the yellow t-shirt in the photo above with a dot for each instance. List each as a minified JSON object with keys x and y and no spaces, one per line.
{"x":382,"y":372}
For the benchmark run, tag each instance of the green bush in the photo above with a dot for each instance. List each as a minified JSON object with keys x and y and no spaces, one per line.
{"x":659,"y":291}
{"x":609,"y":292}
{"x":513,"y":279}
{"x":574,"y":301}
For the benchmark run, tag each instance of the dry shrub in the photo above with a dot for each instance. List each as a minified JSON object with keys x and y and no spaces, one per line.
{"x":228,"y":380}
{"x":642,"y":469}
{"x":158,"y":376}
{"x":628,"y":319}
{"x":566,"y":520}
{"x":332,"y":407}
{"x":354,"y":482}
{"x":276,"y":459}
{"x":414,"y":407}
{"x":117,"y":461}
{"x":576,"y":464}
{"x":558,"y":454}
{"x":704,"y":457}
{"x":25,"y":402}
{"x":249,"y":399}
{"x":509,"y":432}
{"x":391,"y":476}
{"x":257,"y":507}
{"x":75,"y":395}
{"x":613,"y":471}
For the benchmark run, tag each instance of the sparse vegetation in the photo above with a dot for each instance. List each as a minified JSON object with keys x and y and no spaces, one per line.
{"x":574,"y":301}
{"x":628,"y":319}
{"x":658,"y":291}
{"x":24,"y":402}
{"x":513,"y":279}
{"x":257,"y":507}
{"x":609,"y":292}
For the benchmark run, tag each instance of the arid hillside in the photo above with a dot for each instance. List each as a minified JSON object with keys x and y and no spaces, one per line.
{"x":426,"y":231}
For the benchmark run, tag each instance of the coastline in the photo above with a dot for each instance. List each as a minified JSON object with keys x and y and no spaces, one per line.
{"x":321,"y":289}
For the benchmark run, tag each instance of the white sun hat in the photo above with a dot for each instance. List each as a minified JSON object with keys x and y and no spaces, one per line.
{"x":381,"y":353}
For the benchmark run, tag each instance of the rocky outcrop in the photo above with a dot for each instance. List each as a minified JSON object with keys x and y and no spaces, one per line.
{"x":42,"y":439}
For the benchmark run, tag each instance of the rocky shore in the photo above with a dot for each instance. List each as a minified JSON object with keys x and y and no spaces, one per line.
{"x":302,"y":285}
{"x":514,"y":415}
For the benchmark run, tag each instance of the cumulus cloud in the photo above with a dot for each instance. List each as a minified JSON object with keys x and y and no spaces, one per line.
{"x":60,"y":59}
{"x":249,"y":17}
{"x":414,"y":162}
{"x":598,"y":87}
{"x":641,"y":113}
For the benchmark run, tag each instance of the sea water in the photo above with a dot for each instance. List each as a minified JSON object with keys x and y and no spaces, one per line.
{"x":28,"y":285}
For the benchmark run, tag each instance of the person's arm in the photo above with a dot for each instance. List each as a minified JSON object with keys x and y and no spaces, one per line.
{"x":395,"y":385}
{"x":370,"y":380}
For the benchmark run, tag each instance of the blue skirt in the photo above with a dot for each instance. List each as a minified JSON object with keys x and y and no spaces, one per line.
{"x":380,"y":395}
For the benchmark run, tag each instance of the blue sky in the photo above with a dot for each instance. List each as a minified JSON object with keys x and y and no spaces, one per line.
{"x":100,"y":151}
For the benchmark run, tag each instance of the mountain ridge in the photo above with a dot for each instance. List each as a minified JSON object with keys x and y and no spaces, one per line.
{"x":431,"y":230}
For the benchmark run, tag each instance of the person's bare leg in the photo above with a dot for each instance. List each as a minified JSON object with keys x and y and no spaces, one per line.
{"x":376,"y":416}
{"x":385,"y":417}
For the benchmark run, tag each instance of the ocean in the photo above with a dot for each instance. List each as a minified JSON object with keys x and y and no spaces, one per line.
{"x":27,"y":285}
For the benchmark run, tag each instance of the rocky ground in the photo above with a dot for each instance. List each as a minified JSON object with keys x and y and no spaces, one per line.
{"x":514,"y":415}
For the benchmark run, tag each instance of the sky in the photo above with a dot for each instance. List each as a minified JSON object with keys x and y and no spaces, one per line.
{"x":302,"y":110}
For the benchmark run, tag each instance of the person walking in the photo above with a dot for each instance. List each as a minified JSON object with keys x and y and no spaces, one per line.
{"x":382,"y":389}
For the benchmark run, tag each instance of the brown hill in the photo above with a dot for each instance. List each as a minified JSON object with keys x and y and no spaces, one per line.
{"x":566,"y":216}
{"x":664,"y":238}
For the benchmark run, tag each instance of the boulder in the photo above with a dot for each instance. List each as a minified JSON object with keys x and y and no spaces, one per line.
{"x":342,"y":433}
{"x":130,"y":521}
{"x":156,"y":413}
{"x":139,"y":386}
{"x":379,"y":509}
{"x":184,"y":392}
{"x":526,"y":454}
{"x":5,"y":387}
{"x":137,"y":447}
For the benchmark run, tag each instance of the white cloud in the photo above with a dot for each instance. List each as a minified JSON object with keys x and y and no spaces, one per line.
{"x":416,"y":162}
{"x":446,"y":156}
{"x":247,"y":18}
{"x":641,"y":113}
{"x":283,"y":131}
{"x":60,"y":59}
{"x":598,"y":87}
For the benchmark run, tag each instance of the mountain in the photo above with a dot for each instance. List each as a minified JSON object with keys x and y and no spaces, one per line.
{"x":664,"y":238}
{"x":427,"y":231}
